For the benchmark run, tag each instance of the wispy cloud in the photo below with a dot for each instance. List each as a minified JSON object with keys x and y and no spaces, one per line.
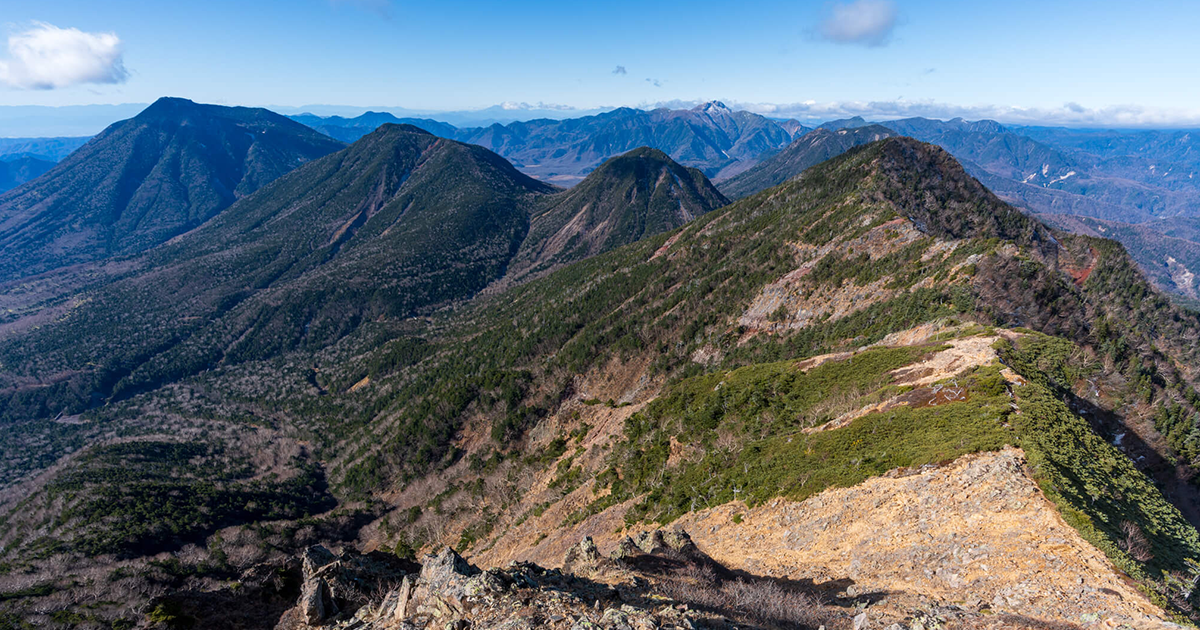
{"x":655,"y":82}
{"x":863,"y":22}
{"x":619,"y":70}
{"x":523,"y":106}
{"x":46,"y":57}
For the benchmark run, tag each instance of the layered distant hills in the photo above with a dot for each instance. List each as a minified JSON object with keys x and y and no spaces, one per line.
{"x":1129,"y":177}
{"x":48,"y":149}
{"x":711,"y":137}
{"x":25,"y":159}
{"x":18,"y":169}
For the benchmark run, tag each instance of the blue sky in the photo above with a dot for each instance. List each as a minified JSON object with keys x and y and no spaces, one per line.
{"x":1023,"y":61}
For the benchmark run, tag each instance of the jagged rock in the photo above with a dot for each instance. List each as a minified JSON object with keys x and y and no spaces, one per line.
{"x":445,"y":568}
{"x":346,"y":589}
{"x":652,"y":542}
{"x":443,"y":584}
{"x":315,"y":558}
{"x":583,"y":557}
{"x":524,"y":574}
{"x":315,"y":602}
{"x":491,"y":581}
{"x":625,"y":549}
{"x":615,"y":619}
{"x":679,"y":540}
{"x":403,"y":596}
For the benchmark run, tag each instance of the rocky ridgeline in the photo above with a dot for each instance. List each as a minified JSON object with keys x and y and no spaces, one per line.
{"x":591,"y":591}
{"x":660,"y":580}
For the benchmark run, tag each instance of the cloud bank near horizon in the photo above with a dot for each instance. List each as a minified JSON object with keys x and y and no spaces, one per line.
{"x":46,"y":57}
{"x":1068,"y":115}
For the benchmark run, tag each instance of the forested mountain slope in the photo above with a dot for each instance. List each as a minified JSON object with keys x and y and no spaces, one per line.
{"x":881,"y":328}
{"x":634,"y":195}
{"x":145,"y":180}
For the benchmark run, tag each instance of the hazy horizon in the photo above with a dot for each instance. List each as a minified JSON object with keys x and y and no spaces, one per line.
{"x":1100,"y":64}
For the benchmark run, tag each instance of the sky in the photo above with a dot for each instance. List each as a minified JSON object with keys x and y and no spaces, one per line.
{"x":1095,"y":63}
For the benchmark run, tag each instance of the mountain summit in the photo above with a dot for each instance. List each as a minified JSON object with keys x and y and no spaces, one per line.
{"x":634,"y":195}
{"x":145,"y":180}
{"x":712,"y":107}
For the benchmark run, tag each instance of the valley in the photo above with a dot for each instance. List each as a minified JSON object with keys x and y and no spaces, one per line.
{"x":846,"y":380}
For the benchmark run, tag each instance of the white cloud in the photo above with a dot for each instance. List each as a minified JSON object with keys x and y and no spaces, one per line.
{"x":46,"y":57}
{"x":620,"y":70}
{"x":866,"y":22}
{"x":1069,"y":115}
{"x":538,"y":106}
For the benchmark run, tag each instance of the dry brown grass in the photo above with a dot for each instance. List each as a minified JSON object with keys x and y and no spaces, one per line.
{"x":763,"y":600}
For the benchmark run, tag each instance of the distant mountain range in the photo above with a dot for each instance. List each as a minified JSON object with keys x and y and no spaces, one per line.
{"x":803,"y":153}
{"x":711,"y":137}
{"x":20,"y":168}
{"x":147,"y":179}
{"x":48,"y":149}
{"x":1127,"y":177}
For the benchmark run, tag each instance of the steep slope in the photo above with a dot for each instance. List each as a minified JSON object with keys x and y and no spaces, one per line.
{"x":1061,"y":179}
{"x":1169,"y":262}
{"x":638,"y":194}
{"x":147,"y":179}
{"x":1121,"y":177}
{"x":735,"y":361}
{"x":786,"y":376}
{"x":803,"y":153}
{"x":395,"y":225}
{"x":18,"y":169}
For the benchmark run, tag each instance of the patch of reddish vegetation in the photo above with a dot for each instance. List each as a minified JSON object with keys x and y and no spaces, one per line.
{"x":1080,"y":275}
{"x":666,"y":246}
{"x":940,"y":394}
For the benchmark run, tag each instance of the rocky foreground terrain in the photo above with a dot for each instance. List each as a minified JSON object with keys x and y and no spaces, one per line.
{"x":663,"y":579}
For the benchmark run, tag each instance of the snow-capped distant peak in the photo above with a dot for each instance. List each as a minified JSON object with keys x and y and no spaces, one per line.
{"x":713,"y":107}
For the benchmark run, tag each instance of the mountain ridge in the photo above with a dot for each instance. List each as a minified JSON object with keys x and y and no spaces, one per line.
{"x":803,"y":152}
{"x":879,"y":325}
{"x":146,"y":180}
{"x":639,"y":193}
